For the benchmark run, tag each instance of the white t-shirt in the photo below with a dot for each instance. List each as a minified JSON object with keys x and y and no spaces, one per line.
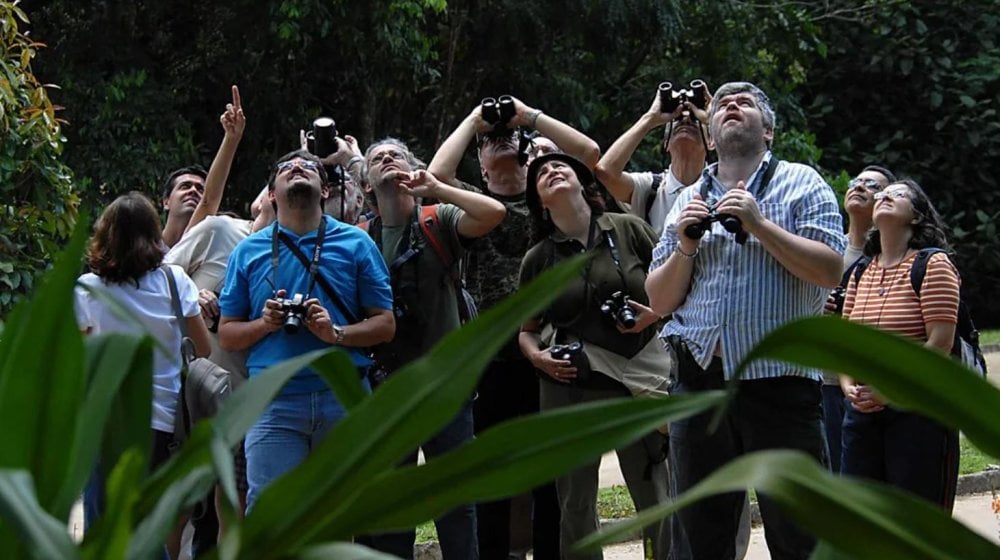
{"x":203,"y":252}
{"x":151,"y":306}
{"x":666,"y":194}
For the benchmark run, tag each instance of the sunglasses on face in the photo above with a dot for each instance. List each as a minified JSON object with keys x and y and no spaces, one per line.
{"x":896,"y":195}
{"x":869,"y":184}
{"x":303,"y":163}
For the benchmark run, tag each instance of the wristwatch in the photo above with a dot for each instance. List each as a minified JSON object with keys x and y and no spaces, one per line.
{"x":339,"y":332}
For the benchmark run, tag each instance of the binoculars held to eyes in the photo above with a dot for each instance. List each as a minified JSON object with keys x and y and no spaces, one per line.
{"x":671,"y":98}
{"x":498,"y":112}
{"x":731,"y":223}
{"x":321,"y":141}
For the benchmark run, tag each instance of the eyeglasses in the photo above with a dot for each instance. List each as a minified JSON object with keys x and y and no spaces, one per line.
{"x":870,"y":184}
{"x":898,"y":195}
{"x":303,"y":163}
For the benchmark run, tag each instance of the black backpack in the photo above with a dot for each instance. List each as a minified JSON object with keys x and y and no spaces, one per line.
{"x":966,"y":346}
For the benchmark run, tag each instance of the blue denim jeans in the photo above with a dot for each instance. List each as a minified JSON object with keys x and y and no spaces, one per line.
{"x":291,"y":427}
{"x":456,"y":529}
{"x":778,"y":413}
{"x":833,"y":419}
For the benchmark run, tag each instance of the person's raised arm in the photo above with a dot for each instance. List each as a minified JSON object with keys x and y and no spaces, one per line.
{"x":233,"y":122}
{"x":610,"y":169}
{"x":481,"y":213}
{"x":669,"y":279}
{"x":569,"y":139}
{"x":444,"y":166}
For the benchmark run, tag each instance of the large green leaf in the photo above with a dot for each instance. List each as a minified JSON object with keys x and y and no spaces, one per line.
{"x":340,"y":373}
{"x":404,"y":412}
{"x":910,"y":376}
{"x":41,"y":379}
{"x":152,"y":532}
{"x":118,"y":372}
{"x":510,"y":458}
{"x":39,"y":534}
{"x":109,"y":536}
{"x":237,"y":414}
{"x":863,"y":519}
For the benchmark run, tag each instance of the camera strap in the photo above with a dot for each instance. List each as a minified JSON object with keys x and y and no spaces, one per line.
{"x":616,"y":258}
{"x":313,"y":267}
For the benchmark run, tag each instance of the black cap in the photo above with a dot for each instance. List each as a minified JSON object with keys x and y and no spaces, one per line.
{"x":583,"y":173}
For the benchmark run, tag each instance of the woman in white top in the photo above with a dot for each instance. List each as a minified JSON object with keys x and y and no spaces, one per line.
{"x":124,"y":257}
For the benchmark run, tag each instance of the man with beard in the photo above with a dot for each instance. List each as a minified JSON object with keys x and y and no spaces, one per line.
{"x":651,"y":195}
{"x":509,"y":386}
{"x":726,"y":291}
{"x":335,"y":277}
{"x":428,"y":298}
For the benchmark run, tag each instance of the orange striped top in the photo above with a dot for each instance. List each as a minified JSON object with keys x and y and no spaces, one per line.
{"x":885,"y":299}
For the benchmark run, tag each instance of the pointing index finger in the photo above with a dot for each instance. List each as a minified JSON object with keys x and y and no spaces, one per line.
{"x":237,"y":105}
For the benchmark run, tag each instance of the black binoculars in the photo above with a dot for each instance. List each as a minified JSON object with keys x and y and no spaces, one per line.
{"x":498,"y":112}
{"x":321,"y":141}
{"x":671,"y":98}
{"x":731,"y":223}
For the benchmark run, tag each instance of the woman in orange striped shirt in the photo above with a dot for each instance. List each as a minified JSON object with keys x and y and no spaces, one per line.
{"x":903,"y":449}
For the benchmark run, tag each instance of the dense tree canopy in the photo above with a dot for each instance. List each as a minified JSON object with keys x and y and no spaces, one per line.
{"x":913,"y":85}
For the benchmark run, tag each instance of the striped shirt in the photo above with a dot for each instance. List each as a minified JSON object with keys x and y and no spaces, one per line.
{"x":739,"y":293}
{"x":884,"y":297}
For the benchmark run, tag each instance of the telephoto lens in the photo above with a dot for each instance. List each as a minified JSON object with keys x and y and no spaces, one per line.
{"x":324,"y":137}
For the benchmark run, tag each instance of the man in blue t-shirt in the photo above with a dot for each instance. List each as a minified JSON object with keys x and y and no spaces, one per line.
{"x":303,"y":257}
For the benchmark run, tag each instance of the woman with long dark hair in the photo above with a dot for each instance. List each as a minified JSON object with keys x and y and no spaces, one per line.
{"x":125,"y":256}
{"x":616,"y":336}
{"x":880,"y":442}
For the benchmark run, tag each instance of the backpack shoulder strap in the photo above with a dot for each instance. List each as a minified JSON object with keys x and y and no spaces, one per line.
{"x":846,"y":277}
{"x":919,"y":268}
{"x":859,"y":267}
{"x":653,"y":188}
{"x":430,"y":226}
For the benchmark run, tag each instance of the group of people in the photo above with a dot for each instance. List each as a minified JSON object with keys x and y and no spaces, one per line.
{"x":690,"y":267}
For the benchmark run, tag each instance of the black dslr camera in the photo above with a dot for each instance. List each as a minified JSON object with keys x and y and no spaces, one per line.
{"x":671,"y":98}
{"x":731,"y":223}
{"x":321,"y":141}
{"x":295,"y":310}
{"x":619,"y":310}
{"x":498,"y":112}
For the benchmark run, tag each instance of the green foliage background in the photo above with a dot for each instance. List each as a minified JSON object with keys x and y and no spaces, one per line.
{"x":913,"y":85}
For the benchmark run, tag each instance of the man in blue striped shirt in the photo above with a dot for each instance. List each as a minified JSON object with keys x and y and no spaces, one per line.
{"x":728,"y":287}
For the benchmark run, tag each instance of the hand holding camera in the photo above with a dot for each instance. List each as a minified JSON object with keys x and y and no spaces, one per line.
{"x":618,"y":308}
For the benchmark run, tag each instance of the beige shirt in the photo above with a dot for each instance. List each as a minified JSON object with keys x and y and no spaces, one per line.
{"x":203,"y":252}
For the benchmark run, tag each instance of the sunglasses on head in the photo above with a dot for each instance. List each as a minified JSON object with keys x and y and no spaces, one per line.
{"x":303,"y":163}
{"x":870,"y":184}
